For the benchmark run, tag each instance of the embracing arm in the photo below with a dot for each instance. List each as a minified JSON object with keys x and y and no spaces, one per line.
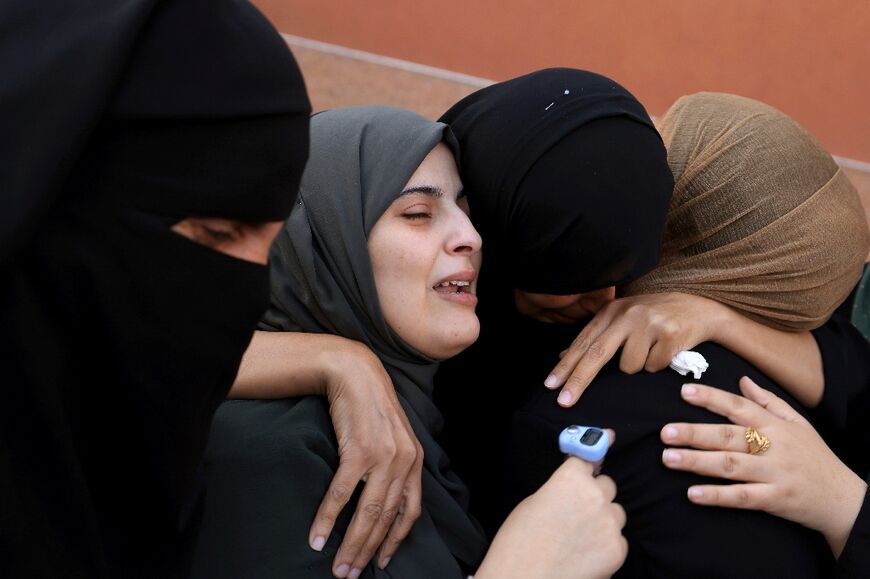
{"x":651,"y":328}
{"x":376,"y":443}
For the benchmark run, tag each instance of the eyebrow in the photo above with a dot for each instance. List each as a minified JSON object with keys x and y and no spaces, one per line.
{"x":430,"y":190}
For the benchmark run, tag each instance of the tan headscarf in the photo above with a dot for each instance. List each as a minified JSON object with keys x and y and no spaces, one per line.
{"x":762,"y":219}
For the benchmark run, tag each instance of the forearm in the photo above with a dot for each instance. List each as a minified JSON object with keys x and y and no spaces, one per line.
{"x":287,"y":364}
{"x":792,"y":359}
{"x":845,"y":504}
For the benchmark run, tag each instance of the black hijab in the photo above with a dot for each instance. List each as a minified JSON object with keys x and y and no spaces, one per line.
{"x":568,"y":182}
{"x":361,"y":158}
{"x":119,"y":338}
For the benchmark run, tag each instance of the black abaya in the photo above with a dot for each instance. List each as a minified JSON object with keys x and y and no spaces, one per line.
{"x":119,"y":337}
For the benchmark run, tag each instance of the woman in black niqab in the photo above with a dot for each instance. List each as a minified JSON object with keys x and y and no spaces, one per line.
{"x":119,"y":336}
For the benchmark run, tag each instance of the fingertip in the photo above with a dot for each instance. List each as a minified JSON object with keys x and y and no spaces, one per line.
{"x":565,"y":398}
{"x":317,"y":542}
{"x":689,"y":390}
{"x":552,"y":381}
{"x":695,"y":494}
{"x":611,"y":436}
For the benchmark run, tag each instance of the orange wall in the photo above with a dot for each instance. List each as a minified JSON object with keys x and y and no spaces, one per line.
{"x":810,"y":58}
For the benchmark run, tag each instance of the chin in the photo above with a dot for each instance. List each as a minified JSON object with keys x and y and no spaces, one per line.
{"x":455,"y":340}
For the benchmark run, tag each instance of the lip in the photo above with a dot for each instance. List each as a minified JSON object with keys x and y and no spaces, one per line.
{"x":463,"y":298}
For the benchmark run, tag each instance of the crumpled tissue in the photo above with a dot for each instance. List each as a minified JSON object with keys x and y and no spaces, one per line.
{"x":689,"y":361}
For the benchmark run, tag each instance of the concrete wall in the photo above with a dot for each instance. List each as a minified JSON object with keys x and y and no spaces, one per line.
{"x":809,"y":58}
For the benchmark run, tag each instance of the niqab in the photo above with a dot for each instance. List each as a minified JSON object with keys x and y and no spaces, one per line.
{"x":361,"y":159}
{"x":119,"y":337}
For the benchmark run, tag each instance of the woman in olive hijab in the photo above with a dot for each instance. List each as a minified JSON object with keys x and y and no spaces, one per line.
{"x":379,"y":251}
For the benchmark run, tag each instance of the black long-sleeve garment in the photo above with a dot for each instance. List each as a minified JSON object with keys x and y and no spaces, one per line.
{"x":501,"y":433}
{"x":843,"y":417}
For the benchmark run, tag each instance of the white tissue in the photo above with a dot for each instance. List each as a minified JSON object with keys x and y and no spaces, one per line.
{"x":688,"y":361}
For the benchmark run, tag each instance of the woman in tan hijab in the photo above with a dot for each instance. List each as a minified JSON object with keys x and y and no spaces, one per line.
{"x":762,"y":221}
{"x":803,"y":238}
{"x":765,"y":238}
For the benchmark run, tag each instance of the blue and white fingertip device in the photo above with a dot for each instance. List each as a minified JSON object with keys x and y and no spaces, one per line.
{"x":586,"y":442}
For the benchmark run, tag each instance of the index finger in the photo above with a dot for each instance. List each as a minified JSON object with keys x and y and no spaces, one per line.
{"x":737,"y":409}
{"x":340,"y":490}
{"x":568,"y":358}
{"x":599,"y":352}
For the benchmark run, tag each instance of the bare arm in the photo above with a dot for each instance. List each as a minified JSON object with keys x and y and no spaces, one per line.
{"x":287,"y":364}
{"x":650,"y":329}
{"x":791,"y":359}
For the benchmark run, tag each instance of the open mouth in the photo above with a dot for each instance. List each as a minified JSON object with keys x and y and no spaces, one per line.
{"x":453,"y":287}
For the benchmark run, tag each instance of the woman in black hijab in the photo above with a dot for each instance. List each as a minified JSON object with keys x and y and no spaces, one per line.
{"x":569,"y":185}
{"x":129,"y":126}
{"x":378,"y":251}
{"x":596,"y":193}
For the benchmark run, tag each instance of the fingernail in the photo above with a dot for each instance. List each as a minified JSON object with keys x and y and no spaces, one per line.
{"x":385,"y":562}
{"x":670,"y":432}
{"x":342,"y":570}
{"x":671,"y":456}
{"x":354,"y":574}
{"x":695,"y":493}
{"x":564,"y":398}
{"x":689,"y":390}
{"x":318,"y":543}
{"x":551,"y":381}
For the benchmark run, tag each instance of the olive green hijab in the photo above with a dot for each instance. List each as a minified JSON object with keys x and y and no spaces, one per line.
{"x":322,"y":280}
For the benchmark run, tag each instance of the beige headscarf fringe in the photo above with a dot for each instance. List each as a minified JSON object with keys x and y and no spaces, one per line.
{"x":762,"y":219}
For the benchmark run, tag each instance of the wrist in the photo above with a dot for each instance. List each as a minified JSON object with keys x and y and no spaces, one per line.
{"x":722,"y":322}
{"x":839,"y":521}
{"x":338,"y":359}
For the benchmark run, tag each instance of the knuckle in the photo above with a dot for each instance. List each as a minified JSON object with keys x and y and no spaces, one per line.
{"x":373,"y":510}
{"x":406,"y":454}
{"x":737,"y":403}
{"x":340,"y":493}
{"x":326,"y":520}
{"x":743,"y":498}
{"x":412,"y":512}
{"x":727,"y":435}
{"x":595,"y":351}
{"x":670,"y":329}
{"x":729,"y":463}
{"x":389,"y":515}
{"x":580,"y":343}
{"x":629,"y":366}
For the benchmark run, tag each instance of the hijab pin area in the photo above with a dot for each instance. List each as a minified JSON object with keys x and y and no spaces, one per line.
{"x":567,"y":91}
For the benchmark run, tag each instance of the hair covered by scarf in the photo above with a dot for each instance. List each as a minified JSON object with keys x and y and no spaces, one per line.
{"x":762,"y":219}
{"x":322,"y":278}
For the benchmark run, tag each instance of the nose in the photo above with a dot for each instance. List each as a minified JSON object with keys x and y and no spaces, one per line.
{"x":464,"y":238}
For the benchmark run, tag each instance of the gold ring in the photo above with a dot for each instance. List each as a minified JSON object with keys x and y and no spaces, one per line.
{"x":756,"y":443}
